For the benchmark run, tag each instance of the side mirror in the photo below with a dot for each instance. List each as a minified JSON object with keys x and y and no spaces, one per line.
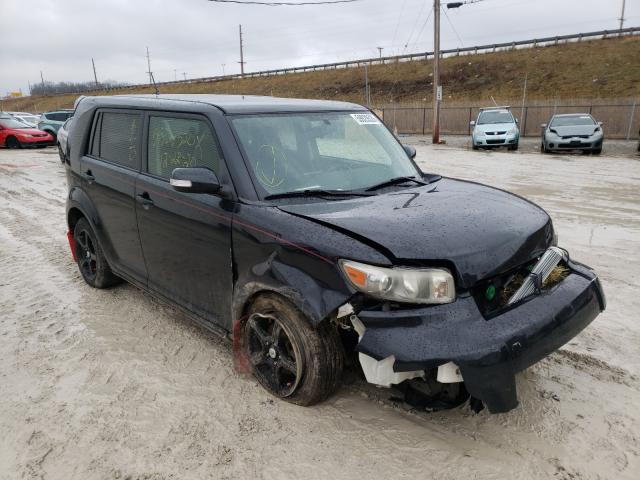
{"x":194,"y":180}
{"x":411,"y":150}
{"x":472,"y":123}
{"x":517,"y":121}
{"x":544,"y":125}
{"x":1,"y":127}
{"x":600,"y":123}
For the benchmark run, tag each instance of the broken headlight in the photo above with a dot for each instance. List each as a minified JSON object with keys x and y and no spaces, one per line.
{"x":410,"y":285}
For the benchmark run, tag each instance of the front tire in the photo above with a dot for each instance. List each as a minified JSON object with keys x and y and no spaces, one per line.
{"x":289,"y":357}
{"x":90,"y":258}
{"x":597,"y":151}
{"x":13,"y":142}
{"x":61,"y":154}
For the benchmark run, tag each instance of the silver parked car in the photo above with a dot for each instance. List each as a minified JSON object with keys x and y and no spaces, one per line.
{"x":495,"y":127}
{"x":575,"y":131}
{"x":61,"y":140}
{"x":25,"y":117}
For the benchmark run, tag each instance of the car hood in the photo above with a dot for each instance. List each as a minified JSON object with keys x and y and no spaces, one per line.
{"x":573,"y":130}
{"x":480,"y":231}
{"x":494,"y":127}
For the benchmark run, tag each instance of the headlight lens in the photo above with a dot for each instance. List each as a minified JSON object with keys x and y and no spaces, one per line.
{"x":26,"y":135}
{"x":513,"y":131}
{"x":479,"y":133}
{"x":424,"y":285}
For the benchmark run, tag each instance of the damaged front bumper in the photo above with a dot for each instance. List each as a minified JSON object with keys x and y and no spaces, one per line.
{"x":488,"y":352}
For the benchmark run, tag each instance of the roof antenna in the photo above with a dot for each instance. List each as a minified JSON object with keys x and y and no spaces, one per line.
{"x":154,"y":83}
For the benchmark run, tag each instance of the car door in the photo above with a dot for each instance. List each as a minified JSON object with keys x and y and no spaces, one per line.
{"x":186,"y":237}
{"x":109,"y":170}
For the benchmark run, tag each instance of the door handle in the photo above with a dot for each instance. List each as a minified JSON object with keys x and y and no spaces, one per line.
{"x":88,"y":176}
{"x":144,"y":200}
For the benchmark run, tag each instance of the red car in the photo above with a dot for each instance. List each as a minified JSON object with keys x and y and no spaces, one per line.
{"x":15,"y":134}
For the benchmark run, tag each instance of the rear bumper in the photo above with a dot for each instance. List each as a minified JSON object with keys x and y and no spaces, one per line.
{"x":488,"y":352}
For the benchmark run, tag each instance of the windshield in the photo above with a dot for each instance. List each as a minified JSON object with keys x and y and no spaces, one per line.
{"x":11,"y":123}
{"x":572,"y":120}
{"x":495,"y":117}
{"x":328,"y":151}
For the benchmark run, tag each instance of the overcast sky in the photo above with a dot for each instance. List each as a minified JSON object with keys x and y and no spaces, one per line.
{"x":197,"y":36}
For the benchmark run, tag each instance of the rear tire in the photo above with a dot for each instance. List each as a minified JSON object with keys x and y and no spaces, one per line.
{"x":13,"y":142}
{"x":289,"y":357}
{"x":61,"y":154}
{"x":91,"y":261}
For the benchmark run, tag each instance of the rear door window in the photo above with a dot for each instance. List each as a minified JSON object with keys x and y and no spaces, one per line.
{"x":117,"y":137}
{"x":180,"y":142}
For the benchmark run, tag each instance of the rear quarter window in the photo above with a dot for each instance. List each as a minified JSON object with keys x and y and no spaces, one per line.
{"x":116,"y":138}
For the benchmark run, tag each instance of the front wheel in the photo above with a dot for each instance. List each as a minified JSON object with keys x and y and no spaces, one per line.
{"x":13,"y":142}
{"x":597,"y":151}
{"x":61,"y":154}
{"x":513,"y":147}
{"x":91,"y":260}
{"x":289,"y":357}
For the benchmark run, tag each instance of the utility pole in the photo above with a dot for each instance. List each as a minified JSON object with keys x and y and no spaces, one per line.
{"x":184,"y":74}
{"x":95,"y":75}
{"x":436,"y":71}
{"x":622,"y":14}
{"x":42,"y":78}
{"x":175,"y":75}
{"x":242,"y":62}
{"x":367,"y":92}
{"x":223,"y":74}
{"x":380,"y":51}
{"x":149,"y":67}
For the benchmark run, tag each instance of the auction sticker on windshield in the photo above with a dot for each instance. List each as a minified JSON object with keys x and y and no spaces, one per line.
{"x":365,"y":118}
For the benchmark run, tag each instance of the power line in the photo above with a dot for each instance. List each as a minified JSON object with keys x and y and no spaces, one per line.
{"x":415,"y":24}
{"x":454,"y":28}
{"x":284,"y":4}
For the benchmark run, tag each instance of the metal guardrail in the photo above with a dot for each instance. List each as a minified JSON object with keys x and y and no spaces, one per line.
{"x":535,"y":42}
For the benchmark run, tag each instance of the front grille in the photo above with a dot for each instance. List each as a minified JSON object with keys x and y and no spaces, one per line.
{"x":495,"y":133}
{"x":575,"y":136}
{"x":574,"y":145}
{"x":495,"y":142}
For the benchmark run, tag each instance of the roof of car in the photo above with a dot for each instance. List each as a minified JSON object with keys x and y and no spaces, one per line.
{"x":571,"y":114}
{"x":236,"y":103}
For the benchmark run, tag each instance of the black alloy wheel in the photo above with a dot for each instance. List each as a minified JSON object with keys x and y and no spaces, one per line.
{"x":276,"y":360}
{"x":92,"y":263}
{"x":86,"y":255}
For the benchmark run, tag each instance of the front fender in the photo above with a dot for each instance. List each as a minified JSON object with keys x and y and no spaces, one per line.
{"x":274,"y":251}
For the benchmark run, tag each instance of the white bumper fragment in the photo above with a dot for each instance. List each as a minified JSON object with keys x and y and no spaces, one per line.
{"x":380,"y":372}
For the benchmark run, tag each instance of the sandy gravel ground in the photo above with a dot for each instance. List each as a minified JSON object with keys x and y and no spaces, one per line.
{"x":112,"y":385}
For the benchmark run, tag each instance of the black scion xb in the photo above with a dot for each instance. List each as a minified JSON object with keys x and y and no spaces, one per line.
{"x":304,"y":232}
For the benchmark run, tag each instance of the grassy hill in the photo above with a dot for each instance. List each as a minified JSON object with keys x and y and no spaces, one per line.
{"x":597,"y":69}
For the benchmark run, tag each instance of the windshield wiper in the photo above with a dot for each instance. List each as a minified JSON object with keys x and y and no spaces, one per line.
{"x":317,"y":193}
{"x":395,"y":181}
